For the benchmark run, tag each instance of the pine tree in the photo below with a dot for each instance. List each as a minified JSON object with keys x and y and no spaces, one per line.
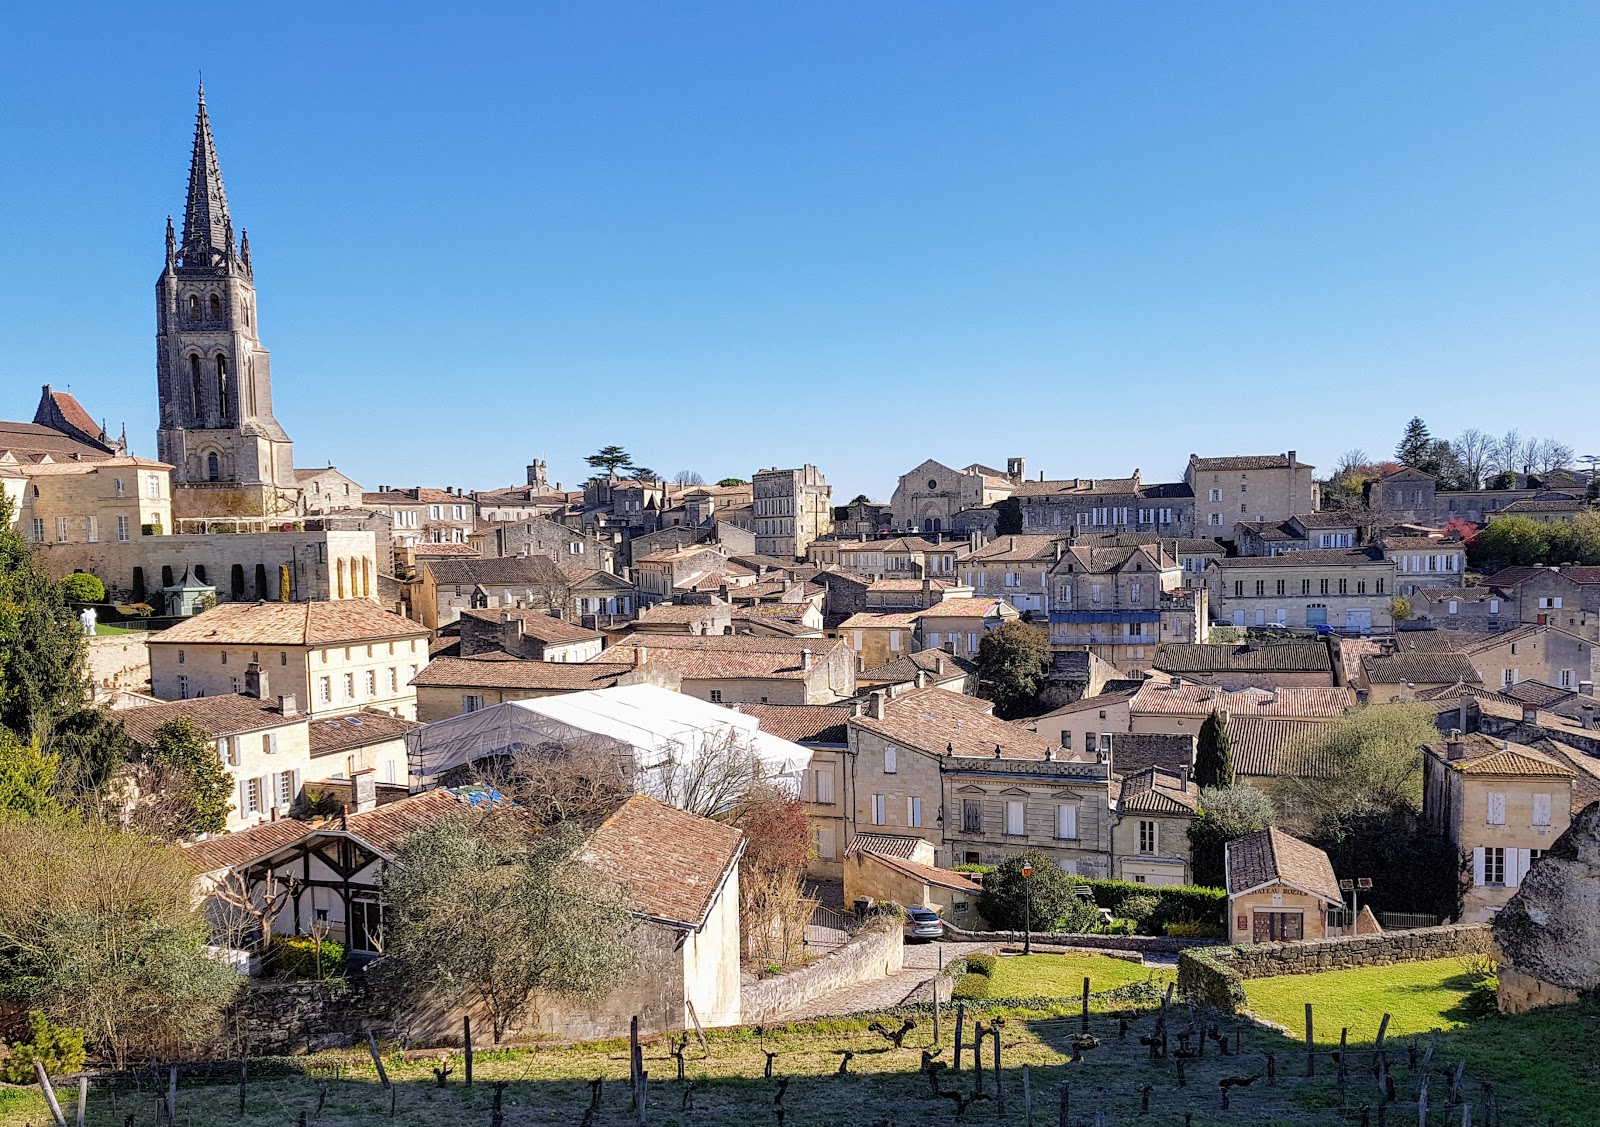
{"x":1213,"y":764}
{"x":1416,"y":446}
{"x":609,"y":459}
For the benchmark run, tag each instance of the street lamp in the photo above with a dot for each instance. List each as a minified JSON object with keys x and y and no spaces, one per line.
{"x":1027,"y":908}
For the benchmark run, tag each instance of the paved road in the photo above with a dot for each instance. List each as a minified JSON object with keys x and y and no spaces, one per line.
{"x":911,"y":984}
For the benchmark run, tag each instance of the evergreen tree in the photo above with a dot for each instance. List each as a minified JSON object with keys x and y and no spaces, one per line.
{"x":1416,"y":446}
{"x":1225,"y":813}
{"x":609,"y":459}
{"x":1213,"y":764}
{"x":41,"y":644}
{"x":1013,"y":662}
{"x":192,"y":788}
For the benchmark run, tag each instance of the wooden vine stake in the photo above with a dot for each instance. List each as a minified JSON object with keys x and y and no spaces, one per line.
{"x":377,"y":1061}
{"x":83,"y":1099}
{"x":1311,"y":1056}
{"x":999,"y":1089}
{"x":49,"y":1094}
{"x":1066,"y":1103}
{"x":466,"y":1044}
{"x":1085,"y":1023}
{"x":1027,"y":1099}
{"x":961,"y":1017}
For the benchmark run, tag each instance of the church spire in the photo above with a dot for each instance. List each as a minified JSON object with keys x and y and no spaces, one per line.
{"x":207,"y":227}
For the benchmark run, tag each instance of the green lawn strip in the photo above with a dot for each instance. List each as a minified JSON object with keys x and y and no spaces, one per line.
{"x":1417,"y":997}
{"x":1061,"y":976}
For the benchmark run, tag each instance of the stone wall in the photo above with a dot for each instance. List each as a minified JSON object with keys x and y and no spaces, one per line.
{"x":118,"y":661}
{"x":877,"y":952}
{"x":1155,"y":944}
{"x":1521,"y":992}
{"x":1215,"y":976}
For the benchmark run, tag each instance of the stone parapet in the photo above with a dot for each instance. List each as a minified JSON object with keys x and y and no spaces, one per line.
{"x":877,"y":952}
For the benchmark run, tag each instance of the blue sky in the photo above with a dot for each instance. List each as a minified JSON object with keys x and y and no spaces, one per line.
{"x":731,"y":236}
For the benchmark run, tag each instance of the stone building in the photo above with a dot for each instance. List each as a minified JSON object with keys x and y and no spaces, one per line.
{"x":792,"y":508}
{"x":1279,"y":888}
{"x":1150,"y":835}
{"x":1502,"y":803}
{"x":451,"y":686}
{"x":1249,"y":488}
{"x":928,"y":498}
{"x":1568,"y":597}
{"x":444,"y":588}
{"x":326,"y":490}
{"x":230,"y":456}
{"x":114,"y":500}
{"x":749,"y":669}
{"x":1335,"y":529}
{"x":1016,"y":569}
{"x":1421,"y":562}
{"x":538,"y":536}
{"x":336,"y":657}
{"x":1121,"y":603}
{"x":1347,"y":589}
{"x":1108,"y":504}
{"x":524,"y":632}
{"x":421,"y":515}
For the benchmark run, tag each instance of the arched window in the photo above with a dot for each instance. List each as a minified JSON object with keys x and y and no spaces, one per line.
{"x":216,"y":308}
{"x":222,"y":384}
{"x":213,"y":467}
{"x":195,"y":390}
{"x":194,"y":307}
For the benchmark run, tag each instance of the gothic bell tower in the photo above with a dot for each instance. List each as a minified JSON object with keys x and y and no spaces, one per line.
{"x":230,"y":456}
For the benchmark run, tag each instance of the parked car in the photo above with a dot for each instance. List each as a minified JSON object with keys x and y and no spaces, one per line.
{"x":923,"y":923}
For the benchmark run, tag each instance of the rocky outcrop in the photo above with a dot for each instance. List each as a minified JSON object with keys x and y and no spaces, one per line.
{"x":1548,"y":934}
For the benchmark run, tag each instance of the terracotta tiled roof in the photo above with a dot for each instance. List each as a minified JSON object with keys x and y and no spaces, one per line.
{"x":721,"y":656}
{"x":290,"y":624}
{"x":1132,"y":752}
{"x":773,"y":610}
{"x":497,"y":673}
{"x":863,"y":620}
{"x":928,"y":874}
{"x":428,"y":552}
{"x":1545,"y":506}
{"x":969,"y":608}
{"x":908,"y":584}
{"x":803,"y":723}
{"x":1158,"y":697}
{"x":1312,"y":557}
{"x":1271,"y":856}
{"x":1246,"y":462}
{"x":536,"y":571}
{"x":1460,"y":594}
{"x":416,"y":495}
{"x":903,"y":846}
{"x":1206,"y":657}
{"x":358,"y":729}
{"x":1104,"y":700}
{"x":680,"y":613}
{"x":1585,"y":770}
{"x":937,"y":721}
{"x":229,"y":715}
{"x":1086,"y":486}
{"x":1422,"y":543}
{"x":1154,"y":791}
{"x":1436,"y":668}
{"x":923,"y":661}
{"x":1536,"y":693}
{"x":1484,"y":755}
{"x":1262,"y":746}
{"x":536,"y":624}
{"x":673,"y":862}
{"x":67,"y":469}
{"x":29,"y":442}
{"x":1325,"y":520}
{"x":1031,"y":547}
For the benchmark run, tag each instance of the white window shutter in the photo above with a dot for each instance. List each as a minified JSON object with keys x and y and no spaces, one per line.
{"x":1477,"y":866}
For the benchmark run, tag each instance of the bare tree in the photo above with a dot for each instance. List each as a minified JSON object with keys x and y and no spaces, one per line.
{"x":580,"y":781}
{"x":1547,"y":454}
{"x":1475,"y":451}
{"x":712,"y":776}
{"x":241,"y":913}
{"x":1349,"y":461}
{"x":1507,"y":455}
{"x":688,"y":478}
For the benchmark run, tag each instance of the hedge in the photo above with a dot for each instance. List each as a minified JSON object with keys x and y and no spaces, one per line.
{"x":297,"y":956}
{"x":1175,"y":903}
{"x":972,"y":986}
{"x":981,"y":964}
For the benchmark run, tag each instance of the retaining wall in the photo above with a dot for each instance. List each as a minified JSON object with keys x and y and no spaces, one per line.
{"x":1216,"y":975}
{"x":1152,"y":944}
{"x":877,"y":952}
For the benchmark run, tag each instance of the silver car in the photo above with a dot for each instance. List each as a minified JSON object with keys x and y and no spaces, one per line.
{"x":923,"y":923}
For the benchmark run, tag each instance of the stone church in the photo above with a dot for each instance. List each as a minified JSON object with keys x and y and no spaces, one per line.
{"x":229,"y":455}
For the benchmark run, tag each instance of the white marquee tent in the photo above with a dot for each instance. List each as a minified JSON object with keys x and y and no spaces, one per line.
{"x":654,"y":726}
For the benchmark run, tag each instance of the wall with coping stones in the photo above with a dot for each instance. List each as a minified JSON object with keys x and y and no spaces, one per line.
{"x":1216,"y":976}
{"x":877,"y":952}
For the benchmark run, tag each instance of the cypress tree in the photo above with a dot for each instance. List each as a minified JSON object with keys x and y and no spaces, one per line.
{"x":1213,"y":765}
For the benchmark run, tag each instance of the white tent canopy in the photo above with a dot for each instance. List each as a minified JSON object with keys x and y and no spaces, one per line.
{"x":652,"y":726}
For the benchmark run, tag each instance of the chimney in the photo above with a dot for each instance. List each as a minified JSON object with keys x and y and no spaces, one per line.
{"x":1174,"y":682}
{"x":805,"y":660}
{"x":1586,"y":688}
{"x":288,"y":706}
{"x":856,"y":707}
{"x":875,"y":704}
{"x":1291,"y":459}
{"x":639,"y":656}
{"x":861,"y":663}
{"x":922,"y":678}
{"x":938,"y":666}
{"x":1461,"y":713}
{"x":1183,"y":777}
{"x":1454,"y":748}
{"x":364,"y":790}
{"x":511,"y":629}
{"x":255,"y":681}
{"x":1049,"y":755}
{"x":927,"y":590}
{"x":1586,"y":717}
{"x":1530,"y":714}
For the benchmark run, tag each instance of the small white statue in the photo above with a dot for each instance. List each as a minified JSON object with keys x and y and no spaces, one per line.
{"x":87,"y":620}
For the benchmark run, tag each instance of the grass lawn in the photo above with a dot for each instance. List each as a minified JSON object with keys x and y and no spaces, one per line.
{"x":1061,"y":976}
{"x":1542,"y":1065}
{"x":1418,"y":997}
{"x":101,"y":630}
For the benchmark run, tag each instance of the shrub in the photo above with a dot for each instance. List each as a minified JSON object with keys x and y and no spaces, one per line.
{"x":304,"y":956}
{"x":81,"y":587}
{"x":58,"y":1047}
{"x":1174,"y":903}
{"x":972,"y":986}
{"x":981,"y":964}
{"x":1193,"y":929}
{"x":1136,"y":906}
{"x":1117,"y":927}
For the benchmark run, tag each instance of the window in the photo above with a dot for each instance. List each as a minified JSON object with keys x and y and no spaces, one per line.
{"x":38,"y":530}
{"x":122,"y":488}
{"x":394,"y":679}
{"x":1261,"y":587}
{"x":1494,"y":865}
{"x":1016,"y":825}
{"x":325,"y":690}
{"x":1238,"y":588}
{"x":716,"y":696}
{"x":1452,"y":607}
{"x":471,"y":702}
{"x":1280,"y":586}
{"x":1378,"y":586}
{"x":285,"y":788}
{"x":91,"y":529}
{"x":971,"y":816}
{"x":372,"y":683}
{"x":888,"y":761}
{"x":1066,"y":821}
{"x":1497,"y":808}
{"x":1541,"y":809}
{"x":825,"y":784}
{"x":349,"y":686}
{"x":228,"y":748}
{"x":61,"y":530}
{"x":213,"y":467}
{"x":1148,"y":836}
{"x":880,"y":810}
{"x":1494,"y":606}
{"x":1553,"y":603}
{"x":1324,"y":590}
{"x":183,"y":687}
{"x":1361,"y":586}
{"x":252,"y":796}
{"x":1305,"y":586}
{"x":1214,"y":495}
{"x":914,"y":813}
{"x":152,"y":485}
{"x":1066,"y":740}
{"x":269,"y":743}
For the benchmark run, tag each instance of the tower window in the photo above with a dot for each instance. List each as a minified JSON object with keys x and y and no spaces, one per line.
{"x":216,"y":308}
{"x":222,"y":384}
{"x":213,"y":467}
{"x":194,"y":385}
{"x":194,"y":307}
